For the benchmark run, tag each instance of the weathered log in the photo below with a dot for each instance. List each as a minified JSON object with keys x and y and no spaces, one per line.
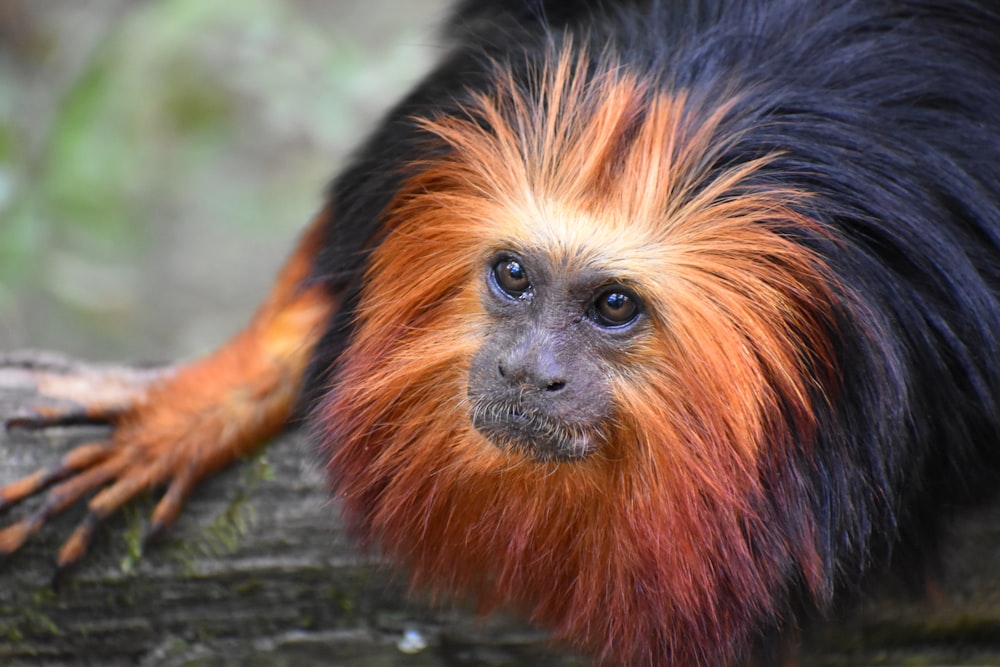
{"x":258,"y":570}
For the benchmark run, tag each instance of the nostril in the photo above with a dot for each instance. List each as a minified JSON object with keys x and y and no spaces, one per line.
{"x":529,"y":377}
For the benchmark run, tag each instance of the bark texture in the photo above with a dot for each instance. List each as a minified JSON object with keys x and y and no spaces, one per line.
{"x":258,"y":571}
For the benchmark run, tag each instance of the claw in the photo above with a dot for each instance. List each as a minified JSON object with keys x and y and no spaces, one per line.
{"x":169,"y":508}
{"x":45,"y":416}
{"x":73,"y":393}
{"x":150,"y":535}
{"x":173,"y":425}
{"x":68,"y":492}
{"x":62,"y":496}
{"x":125,"y":487}
{"x":74,"y":548}
{"x":59,"y":577}
{"x":15,"y":492}
{"x":78,"y":459}
{"x":115,"y":496}
{"x":15,"y":535}
{"x":172,"y":502}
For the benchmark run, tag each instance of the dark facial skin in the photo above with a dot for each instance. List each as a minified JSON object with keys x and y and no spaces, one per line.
{"x":540,"y":383}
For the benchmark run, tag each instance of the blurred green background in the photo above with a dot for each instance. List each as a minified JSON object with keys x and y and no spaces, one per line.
{"x":158,"y":158}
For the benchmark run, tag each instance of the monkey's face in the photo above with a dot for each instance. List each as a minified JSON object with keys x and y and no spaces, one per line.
{"x":584,"y":360}
{"x":540,"y":382}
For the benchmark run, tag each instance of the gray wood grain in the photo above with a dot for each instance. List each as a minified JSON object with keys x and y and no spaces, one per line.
{"x":258,"y":571}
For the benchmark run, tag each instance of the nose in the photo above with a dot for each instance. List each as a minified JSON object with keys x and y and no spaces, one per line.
{"x":533,"y":367}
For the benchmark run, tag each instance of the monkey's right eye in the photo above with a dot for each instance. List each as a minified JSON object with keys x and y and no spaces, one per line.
{"x":511,"y":277}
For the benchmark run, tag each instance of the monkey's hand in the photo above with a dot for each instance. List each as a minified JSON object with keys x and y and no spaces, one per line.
{"x":172,"y":426}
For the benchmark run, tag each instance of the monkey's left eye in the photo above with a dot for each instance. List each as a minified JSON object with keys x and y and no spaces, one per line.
{"x":511,"y":277}
{"x":615,"y":307}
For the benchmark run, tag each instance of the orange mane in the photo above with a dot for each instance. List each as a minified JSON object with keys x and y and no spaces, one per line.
{"x":665,"y":545}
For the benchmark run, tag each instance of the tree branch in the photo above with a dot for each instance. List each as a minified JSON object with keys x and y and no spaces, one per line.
{"x":258,"y":569}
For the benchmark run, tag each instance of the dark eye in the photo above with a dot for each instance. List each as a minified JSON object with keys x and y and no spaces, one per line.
{"x":511,"y":277}
{"x":615,"y":307}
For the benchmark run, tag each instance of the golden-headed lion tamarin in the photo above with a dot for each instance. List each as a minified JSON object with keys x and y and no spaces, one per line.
{"x":657,"y":321}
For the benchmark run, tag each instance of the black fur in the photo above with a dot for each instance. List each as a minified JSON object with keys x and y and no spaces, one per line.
{"x":888,"y":111}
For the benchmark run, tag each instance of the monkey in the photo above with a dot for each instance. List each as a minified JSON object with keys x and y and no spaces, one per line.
{"x":662,"y":323}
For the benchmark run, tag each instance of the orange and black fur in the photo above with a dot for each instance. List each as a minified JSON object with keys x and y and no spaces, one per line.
{"x":658,"y":321}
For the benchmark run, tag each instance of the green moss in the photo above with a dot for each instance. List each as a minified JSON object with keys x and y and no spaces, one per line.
{"x":248,"y":587}
{"x":43,"y":623}
{"x":307,"y":621}
{"x":222,"y":537}
{"x":135,"y":524}
{"x":43,"y":596}
{"x":33,"y":620}
{"x":13,"y":634}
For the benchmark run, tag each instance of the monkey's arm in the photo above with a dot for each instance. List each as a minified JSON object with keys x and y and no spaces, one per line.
{"x":173,"y":426}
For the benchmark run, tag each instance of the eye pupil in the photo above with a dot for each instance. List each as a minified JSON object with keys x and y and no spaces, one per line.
{"x":615,"y":307}
{"x":511,"y":277}
{"x":616,"y":302}
{"x":514,"y":271}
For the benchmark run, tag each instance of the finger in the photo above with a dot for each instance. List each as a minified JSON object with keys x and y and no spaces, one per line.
{"x":75,"y":547}
{"x":77,"y":459}
{"x":44,"y":416}
{"x":74,"y":393}
{"x":15,"y":535}
{"x":101,"y":506}
{"x":62,"y":496}
{"x":68,"y":492}
{"x":123,"y":490}
{"x":15,"y":492}
{"x":170,"y":504}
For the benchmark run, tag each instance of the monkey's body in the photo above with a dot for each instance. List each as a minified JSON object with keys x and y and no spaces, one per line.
{"x":658,"y":322}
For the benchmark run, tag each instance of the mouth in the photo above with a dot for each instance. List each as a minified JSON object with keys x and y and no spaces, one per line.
{"x":533,"y":434}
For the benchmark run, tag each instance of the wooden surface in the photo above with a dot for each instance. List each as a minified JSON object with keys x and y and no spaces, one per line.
{"x":258,"y":571}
